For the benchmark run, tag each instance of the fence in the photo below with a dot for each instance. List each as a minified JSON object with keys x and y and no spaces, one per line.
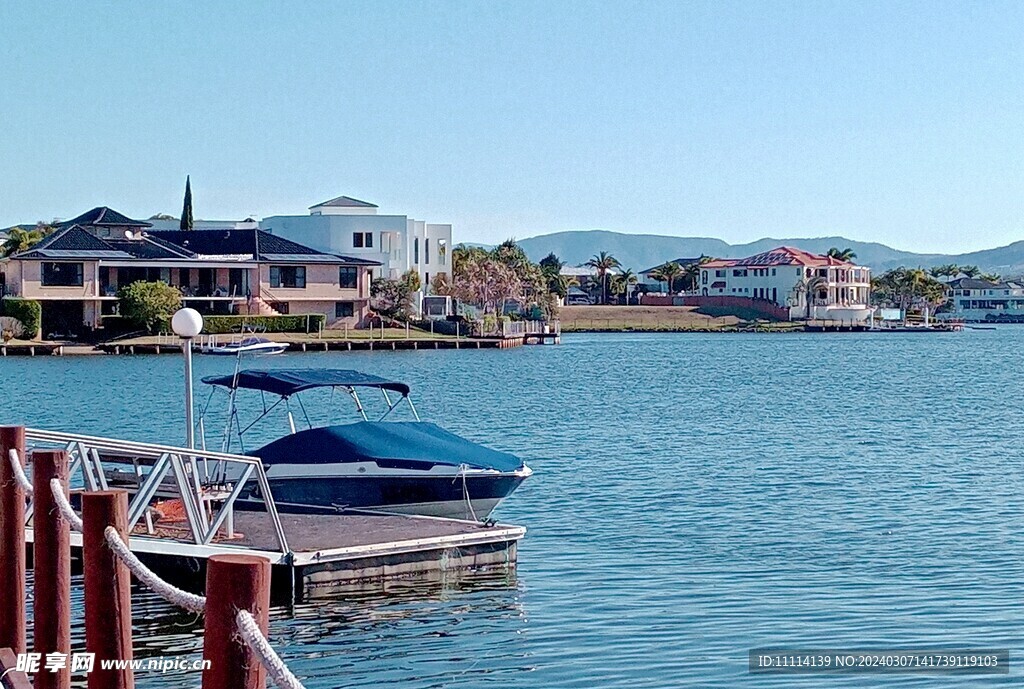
{"x":235,"y":606}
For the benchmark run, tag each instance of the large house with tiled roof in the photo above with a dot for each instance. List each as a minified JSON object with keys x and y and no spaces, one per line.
{"x":809,"y":285}
{"x":76,"y":271}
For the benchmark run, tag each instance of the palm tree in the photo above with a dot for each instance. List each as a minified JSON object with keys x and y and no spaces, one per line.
{"x":621,"y":283}
{"x":846,"y":254}
{"x":19,"y":239}
{"x":602,"y":263}
{"x":668,"y":273}
{"x":810,"y":287}
{"x":970,"y":271}
{"x":990,"y":277}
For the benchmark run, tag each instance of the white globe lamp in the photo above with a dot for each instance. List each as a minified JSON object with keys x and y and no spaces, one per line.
{"x":187,"y":324}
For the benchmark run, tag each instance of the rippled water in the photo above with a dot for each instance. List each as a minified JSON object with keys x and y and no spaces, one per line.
{"x":695,"y":496}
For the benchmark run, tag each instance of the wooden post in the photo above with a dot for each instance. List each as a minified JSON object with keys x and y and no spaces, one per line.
{"x":9,"y":671}
{"x":233,"y":583}
{"x":51,"y":553}
{"x":108,"y":603}
{"x":12,"y":543}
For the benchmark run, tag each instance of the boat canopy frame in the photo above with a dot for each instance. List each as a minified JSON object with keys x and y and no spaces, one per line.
{"x":288,"y":383}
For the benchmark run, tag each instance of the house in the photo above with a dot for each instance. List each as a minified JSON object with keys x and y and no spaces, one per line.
{"x":346,"y":225}
{"x":75,"y":272}
{"x":789,"y":277}
{"x":980,"y":300}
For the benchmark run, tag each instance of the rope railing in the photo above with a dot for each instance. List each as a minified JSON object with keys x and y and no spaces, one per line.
{"x":276,"y":668}
{"x":19,"y":472}
{"x":172,"y":594}
{"x":246,"y":623}
{"x":64,"y":506}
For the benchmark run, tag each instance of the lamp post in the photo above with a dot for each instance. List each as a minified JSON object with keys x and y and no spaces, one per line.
{"x":186,"y":324}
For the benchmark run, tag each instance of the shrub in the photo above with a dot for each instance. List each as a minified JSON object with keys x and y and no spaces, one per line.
{"x":298,"y":323}
{"x":148,"y":303}
{"x":28,"y":311}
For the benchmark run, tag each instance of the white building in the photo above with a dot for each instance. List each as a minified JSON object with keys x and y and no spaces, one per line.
{"x":348,"y":226}
{"x":981,"y":300}
{"x":787,"y":277}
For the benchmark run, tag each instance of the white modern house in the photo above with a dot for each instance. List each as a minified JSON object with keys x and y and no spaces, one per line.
{"x":788,"y":277}
{"x":980,"y":300}
{"x":348,"y":226}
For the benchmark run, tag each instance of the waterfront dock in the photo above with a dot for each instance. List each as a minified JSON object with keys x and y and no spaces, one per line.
{"x":310,"y":554}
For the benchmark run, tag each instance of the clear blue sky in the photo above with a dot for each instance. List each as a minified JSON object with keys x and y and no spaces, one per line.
{"x":888,"y":121}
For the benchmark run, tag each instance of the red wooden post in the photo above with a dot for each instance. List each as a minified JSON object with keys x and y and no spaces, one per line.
{"x":12,"y":543}
{"x":233,"y":583}
{"x":108,"y":603}
{"x":51,"y":553}
{"x":9,"y":671}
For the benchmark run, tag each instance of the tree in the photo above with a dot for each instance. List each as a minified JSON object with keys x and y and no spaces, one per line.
{"x":811,"y":287}
{"x":20,"y":239}
{"x":551,"y":264}
{"x":668,"y":273}
{"x":846,"y":254}
{"x":970,"y":271}
{"x":603,"y":263}
{"x":393,"y":298}
{"x":621,"y":283}
{"x":148,"y":303}
{"x":990,"y":277}
{"x":186,"y":210}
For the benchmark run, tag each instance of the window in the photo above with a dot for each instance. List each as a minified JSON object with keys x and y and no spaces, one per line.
{"x":288,"y":276}
{"x":719,"y":273}
{"x":703,"y":277}
{"x":773,"y":272}
{"x":416,"y":250}
{"x":426,"y":252}
{"x":361,"y":240}
{"x":369,"y":240}
{"x":739,"y":273}
{"x":344,"y":309}
{"x":62,"y":275}
{"x":348,"y":277}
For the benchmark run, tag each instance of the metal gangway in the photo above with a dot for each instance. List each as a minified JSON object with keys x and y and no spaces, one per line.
{"x":207,"y":483}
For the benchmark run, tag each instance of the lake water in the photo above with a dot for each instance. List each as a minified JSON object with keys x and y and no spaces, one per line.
{"x":695,"y":496}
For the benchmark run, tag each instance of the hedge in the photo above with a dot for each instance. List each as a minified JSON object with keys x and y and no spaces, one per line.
{"x":28,"y":311}
{"x":222,"y":325}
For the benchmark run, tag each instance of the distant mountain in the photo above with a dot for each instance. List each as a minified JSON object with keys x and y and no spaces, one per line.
{"x":642,"y":251}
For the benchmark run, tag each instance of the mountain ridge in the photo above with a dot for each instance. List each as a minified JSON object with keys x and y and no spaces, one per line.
{"x":642,"y":251}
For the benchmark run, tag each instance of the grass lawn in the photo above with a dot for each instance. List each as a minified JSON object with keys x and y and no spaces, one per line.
{"x":652,"y":318}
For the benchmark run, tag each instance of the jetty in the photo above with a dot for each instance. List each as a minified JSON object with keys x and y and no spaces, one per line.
{"x":178,"y":520}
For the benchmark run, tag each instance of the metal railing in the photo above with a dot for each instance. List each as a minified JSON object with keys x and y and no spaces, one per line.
{"x":91,"y":456}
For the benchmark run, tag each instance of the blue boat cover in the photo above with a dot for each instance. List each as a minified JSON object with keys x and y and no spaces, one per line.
{"x":416,"y":442}
{"x":288,"y":381}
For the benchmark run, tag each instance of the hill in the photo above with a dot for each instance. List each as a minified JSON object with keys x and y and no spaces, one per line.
{"x":641,"y":251}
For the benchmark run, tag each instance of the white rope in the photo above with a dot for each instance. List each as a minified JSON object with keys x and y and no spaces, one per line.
{"x":19,"y":472}
{"x":64,"y":506}
{"x":172,"y":594}
{"x":278,"y":671}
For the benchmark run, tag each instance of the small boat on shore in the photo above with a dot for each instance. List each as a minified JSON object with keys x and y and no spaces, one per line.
{"x":248,"y":345}
{"x":408,"y":467}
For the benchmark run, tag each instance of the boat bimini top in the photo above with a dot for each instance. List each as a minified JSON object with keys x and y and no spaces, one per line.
{"x":402,"y":443}
{"x":285,"y":382}
{"x":288,"y":381}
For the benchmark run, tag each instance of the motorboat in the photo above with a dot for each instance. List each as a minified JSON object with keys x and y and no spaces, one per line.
{"x":247,"y":345}
{"x":379,"y":464}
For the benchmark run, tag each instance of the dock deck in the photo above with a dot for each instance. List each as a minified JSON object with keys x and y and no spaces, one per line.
{"x":335,"y":551}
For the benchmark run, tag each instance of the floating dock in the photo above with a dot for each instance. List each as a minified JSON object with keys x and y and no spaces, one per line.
{"x":310,"y":554}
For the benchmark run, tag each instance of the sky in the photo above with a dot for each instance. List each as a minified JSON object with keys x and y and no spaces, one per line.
{"x":897,"y":122}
